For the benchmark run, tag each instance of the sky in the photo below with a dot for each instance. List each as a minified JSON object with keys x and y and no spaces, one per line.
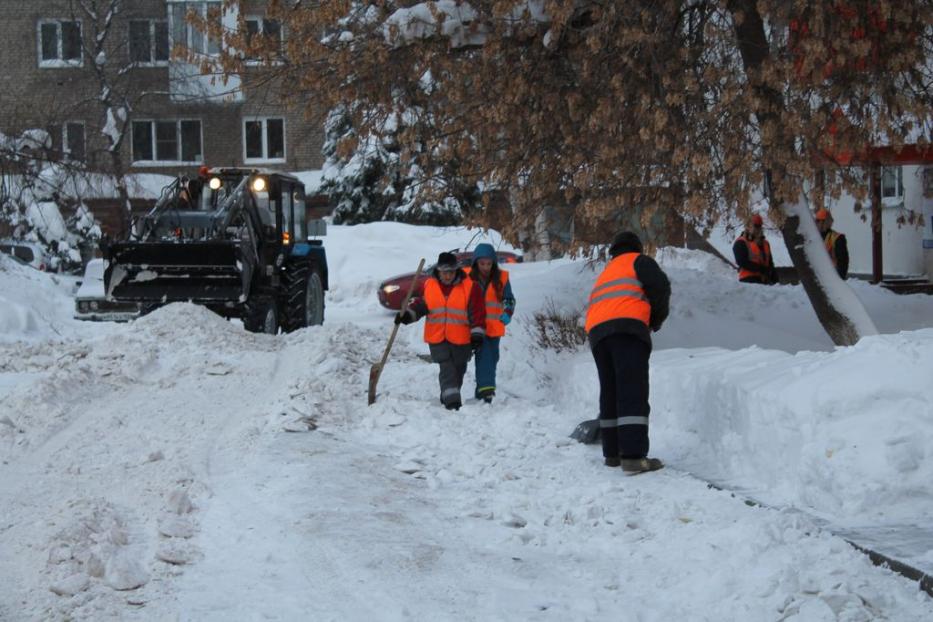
{"x":179,"y":468}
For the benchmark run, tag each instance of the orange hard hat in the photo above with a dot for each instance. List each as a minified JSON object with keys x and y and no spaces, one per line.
{"x":822,"y":214}
{"x":757,"y":220}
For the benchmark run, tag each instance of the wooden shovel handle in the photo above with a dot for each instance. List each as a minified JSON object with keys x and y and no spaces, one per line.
{"x":376,"y":370}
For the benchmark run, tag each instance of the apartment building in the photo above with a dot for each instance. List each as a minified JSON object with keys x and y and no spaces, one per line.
{"x":93,"y":78}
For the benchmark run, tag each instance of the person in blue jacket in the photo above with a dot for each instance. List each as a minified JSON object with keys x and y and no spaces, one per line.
{"x":500,"y":307}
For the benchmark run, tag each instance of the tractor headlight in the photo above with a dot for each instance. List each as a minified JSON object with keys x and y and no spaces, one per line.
{"x":214,"y":183}
{"x":94,"y":305}
{"x":391,"y":288}
{"x":259,"y":184}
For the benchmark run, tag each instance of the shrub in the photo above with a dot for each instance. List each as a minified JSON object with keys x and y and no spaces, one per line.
{"x":558,"y":329}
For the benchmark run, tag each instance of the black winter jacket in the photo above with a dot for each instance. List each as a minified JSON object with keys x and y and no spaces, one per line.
{"x":841,"y":250}
{"x":768,"y":274}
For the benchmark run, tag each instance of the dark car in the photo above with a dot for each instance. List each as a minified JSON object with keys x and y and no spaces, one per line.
{"x":392,"y":291}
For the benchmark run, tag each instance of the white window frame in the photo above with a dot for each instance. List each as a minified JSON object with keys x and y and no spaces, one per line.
{"x":66,"y":153}
{"x":190,"y":30}
{"x":58,"y":62}
{"x":152,"y":42}
{"x":261,"y":20}
{"x":265,"y":140}
{"x":897,"y":199}
{"x":152,"y":137}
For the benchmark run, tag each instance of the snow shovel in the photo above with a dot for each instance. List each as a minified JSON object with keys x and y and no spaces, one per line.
{"x":376,"y":370}
{"x":587,"y":432}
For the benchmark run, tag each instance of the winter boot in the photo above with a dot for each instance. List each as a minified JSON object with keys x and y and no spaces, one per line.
{"x":613,"y":461}
{"x":488,"y":397}
{"x":634,"y":466}
{"x":454,"y":405}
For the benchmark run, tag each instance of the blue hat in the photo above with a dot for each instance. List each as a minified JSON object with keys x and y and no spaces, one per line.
{"x":484,"y":251}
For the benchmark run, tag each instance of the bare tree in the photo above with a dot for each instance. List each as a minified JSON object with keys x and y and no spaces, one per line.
{"x":41,"y":199}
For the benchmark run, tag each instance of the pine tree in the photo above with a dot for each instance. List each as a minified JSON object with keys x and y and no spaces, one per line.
{"x":368,"y":178}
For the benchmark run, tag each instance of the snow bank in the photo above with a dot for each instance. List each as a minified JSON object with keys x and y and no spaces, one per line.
{"x":33,"y":305}
{"x":844,"y":434}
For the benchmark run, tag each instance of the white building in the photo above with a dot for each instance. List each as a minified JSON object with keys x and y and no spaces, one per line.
{"x":906,"y":219}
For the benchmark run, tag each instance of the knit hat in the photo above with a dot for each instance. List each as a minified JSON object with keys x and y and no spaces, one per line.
{"x":625,"y":242}
{"x":484,"y":251}
{"x":757,"y":219}
{"x":823,"y":214}
{"x":446,"y":261}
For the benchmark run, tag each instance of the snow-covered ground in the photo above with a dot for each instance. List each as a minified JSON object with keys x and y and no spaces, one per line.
{"x":180,"y":468}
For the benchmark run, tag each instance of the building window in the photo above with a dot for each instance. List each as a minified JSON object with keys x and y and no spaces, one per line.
{"x":67,"y":141}
{"x":73,"y":146}
{"x":149,"y":41}
{"x":189,"y":36}
{"x":264,"y":139}
{"x":60,"y":43}
{"x":167,"y":142}
{"x":892,"y":184}
{"x":263,"y":32}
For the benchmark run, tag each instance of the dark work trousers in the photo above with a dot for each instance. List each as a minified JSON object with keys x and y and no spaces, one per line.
{"x":622,"y":363}
{"x":486,"y":359}
{"x":453,"y":360}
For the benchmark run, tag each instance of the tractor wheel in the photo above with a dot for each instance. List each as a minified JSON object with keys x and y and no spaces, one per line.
{"x":304,"y":296}
{"x":261,"y":316}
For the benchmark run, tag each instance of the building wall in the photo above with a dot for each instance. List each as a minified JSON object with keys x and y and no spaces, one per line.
{"x":902,"y":243}
{"x":32,"y":96}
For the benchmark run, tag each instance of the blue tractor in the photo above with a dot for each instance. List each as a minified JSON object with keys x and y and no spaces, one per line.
{"x":235,"y":240}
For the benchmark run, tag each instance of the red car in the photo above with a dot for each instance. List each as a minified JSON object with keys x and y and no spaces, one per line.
{"x":392,"y":291}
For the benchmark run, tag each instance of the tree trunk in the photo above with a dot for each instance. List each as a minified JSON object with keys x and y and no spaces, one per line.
{"x":837,"y":307}
{"x":119,"y":178}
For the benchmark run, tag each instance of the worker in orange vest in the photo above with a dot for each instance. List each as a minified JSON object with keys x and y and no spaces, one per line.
{"x":630,"y":298}
{"x":455,"y":325}
{"x":500,"y":306}
{"x":753,"y":254}
{"x":835,"y":242}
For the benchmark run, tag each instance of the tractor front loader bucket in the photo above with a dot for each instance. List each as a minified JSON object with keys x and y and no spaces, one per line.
{"x":161,"y":272}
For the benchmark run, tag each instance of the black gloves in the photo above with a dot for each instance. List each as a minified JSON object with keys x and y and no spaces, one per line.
{"x":476,"y":341}
{"x":404,"y":318}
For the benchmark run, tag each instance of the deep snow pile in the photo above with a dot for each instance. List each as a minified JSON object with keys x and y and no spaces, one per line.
{"x":157,"y":457}
{"x":33,"y":304}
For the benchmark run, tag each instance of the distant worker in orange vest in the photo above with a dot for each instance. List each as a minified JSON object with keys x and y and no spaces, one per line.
{"x":630,"y":298}
{"x":835,"y":242}
{"x":500,"y":306}
{"x":455,"y":325}
{"x":753,"y":254}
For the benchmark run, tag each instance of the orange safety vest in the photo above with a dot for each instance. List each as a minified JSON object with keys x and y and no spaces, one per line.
{"x":830,"y":242}
{"x":757,"y":255}
{"x":447,"y":318}
{"x":618,"y":294}
{"x":494,"y":308}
